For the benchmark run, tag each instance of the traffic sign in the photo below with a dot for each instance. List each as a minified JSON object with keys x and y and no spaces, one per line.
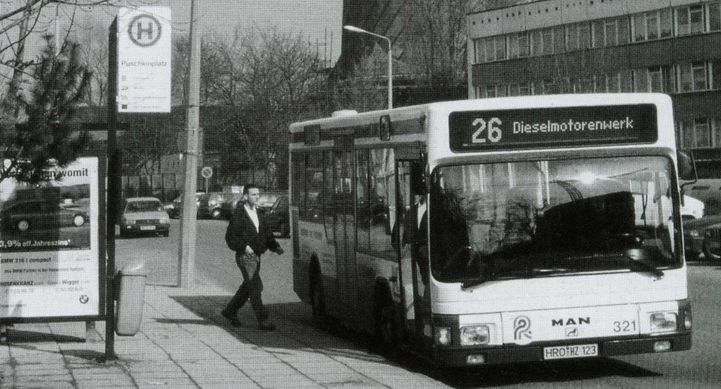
{"x":206,"y":172}
{"x":143,"y":61}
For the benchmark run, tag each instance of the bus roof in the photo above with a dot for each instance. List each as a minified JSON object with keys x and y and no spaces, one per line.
{"x":499,"y":103}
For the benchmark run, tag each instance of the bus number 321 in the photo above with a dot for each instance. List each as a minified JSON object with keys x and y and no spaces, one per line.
{"x":493,"y":134}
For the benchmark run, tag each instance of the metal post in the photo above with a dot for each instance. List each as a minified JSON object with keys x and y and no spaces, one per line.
{"x":390,"y":75}
{"x":113,"y":191}
{"x":186,"y":251}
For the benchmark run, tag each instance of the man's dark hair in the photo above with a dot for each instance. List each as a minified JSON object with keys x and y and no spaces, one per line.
{"x":248,"y":187}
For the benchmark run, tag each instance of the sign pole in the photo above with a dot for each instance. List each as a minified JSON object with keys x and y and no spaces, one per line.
{"x":113,"y":191}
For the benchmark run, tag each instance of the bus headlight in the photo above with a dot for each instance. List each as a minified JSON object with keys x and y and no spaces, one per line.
{"x":442,"y":336}
{"x":475,"y":335}
{"x":693,"y":233}
{"x":663,"y":321}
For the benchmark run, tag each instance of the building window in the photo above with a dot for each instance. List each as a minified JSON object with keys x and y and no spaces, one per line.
{"x":716,"y":74}
{"x":693,"y":77}
{"x":559,"y":41}
{"x":578,"y":36}
{"x":500,"y":42}
{"x":666,"y":22}
{"x":583,"y":85}
{"x":700,"y":132}
{"x":610,"y":32}
{"x":518,"y":45}
{"x":584,"y":35}
{"x":689,"y":20}
{"x":571,"y":37}
{"x":490,"y":91}
{"x":480,"y":50}
{"x":714,"y":16}
{"x":655,"y":79}
{"x":652,"y":25}
{"x":640,"y":80}
{"x":613,"y":83}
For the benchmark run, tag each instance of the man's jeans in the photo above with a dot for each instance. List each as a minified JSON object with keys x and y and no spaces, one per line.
{"x":251,"y":287}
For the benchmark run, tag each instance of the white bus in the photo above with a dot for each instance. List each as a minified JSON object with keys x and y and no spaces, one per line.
{"x":552,"y":227}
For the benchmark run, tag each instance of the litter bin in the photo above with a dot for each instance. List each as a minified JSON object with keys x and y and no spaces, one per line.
{"x":130,"y":292}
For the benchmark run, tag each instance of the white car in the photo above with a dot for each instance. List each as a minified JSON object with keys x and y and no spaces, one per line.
{"x":144,"y":215}
{"x":692,"y":207}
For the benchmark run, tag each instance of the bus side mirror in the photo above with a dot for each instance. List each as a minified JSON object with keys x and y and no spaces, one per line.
{"x":686,"y":167}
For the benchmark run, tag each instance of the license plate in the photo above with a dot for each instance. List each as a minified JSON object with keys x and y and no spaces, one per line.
{"x":147,"y":228}
{"x":574,"y":351}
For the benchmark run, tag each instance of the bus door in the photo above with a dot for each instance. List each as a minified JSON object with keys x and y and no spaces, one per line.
{"x":413,"y":250}
{"x":344,"y":226}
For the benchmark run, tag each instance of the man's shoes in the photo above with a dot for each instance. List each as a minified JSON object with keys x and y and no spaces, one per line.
{"x":266,"y":326}
{"x":233,"y":319}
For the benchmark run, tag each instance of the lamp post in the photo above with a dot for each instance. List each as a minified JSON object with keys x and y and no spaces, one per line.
{"x":390,"y":59}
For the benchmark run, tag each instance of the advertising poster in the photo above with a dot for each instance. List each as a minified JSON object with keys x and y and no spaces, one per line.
{"x":49,"y":261}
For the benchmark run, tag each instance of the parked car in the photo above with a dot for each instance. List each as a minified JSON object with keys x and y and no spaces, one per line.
{"x":267,"y":199}
{"x":144,"y":215}
{"x":210,"y":205}
{"x":24,"y":215}
{"x":175,"y":209}
{"x":230,"y":204}
{"x":278,"y":217}
{"x":703,"y":235}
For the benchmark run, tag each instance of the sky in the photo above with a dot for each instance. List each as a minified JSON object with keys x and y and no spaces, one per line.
{"x":319,"y":20}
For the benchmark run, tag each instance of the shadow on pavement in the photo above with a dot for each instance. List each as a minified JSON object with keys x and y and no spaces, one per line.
{"x":20,"y":337}
{"x":538,"y":372}
{"x":295,"y":328}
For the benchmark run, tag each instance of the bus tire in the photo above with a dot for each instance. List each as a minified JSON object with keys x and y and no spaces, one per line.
{"x":385,"y":325}
{"x":709,"y":254}
{"x":317,"y":301}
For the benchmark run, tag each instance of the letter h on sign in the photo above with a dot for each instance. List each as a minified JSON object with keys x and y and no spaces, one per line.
{"x":139,"y":30}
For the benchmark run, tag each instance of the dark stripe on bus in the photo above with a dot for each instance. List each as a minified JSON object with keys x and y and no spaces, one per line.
{"x":399,"y":127}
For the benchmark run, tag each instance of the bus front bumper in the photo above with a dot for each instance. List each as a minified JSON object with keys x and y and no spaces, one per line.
{"x":457,"y":356}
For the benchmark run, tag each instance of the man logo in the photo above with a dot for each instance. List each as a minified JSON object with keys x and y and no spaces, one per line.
{"x":144,"y":30}
{"x":571,"y":332}
{"x":522,"y":330}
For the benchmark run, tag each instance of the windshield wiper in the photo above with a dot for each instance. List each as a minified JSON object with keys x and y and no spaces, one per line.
{"x":639,"y":257}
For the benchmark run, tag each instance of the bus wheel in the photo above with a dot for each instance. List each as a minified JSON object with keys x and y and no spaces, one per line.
{"x":317,"y":300}
{"x":709,"y":253}
{"x":386,"y":329}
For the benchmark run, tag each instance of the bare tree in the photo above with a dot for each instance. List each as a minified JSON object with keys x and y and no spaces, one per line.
{"x":360,"y":90}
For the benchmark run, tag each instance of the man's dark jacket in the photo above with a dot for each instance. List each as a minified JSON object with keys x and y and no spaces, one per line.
{"x":241,"y":232}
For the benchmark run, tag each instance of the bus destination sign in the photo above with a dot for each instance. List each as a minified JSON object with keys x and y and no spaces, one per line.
{"x":552,"y":127}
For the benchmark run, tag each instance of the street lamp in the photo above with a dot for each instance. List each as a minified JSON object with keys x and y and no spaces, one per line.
{"x":390,"y":59}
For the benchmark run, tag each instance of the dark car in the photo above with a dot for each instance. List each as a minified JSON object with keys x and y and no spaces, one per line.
{"x":210,"y":205}
{"x":278,"y":218}
{"x":703,"y":235}
{"x":229,"y":206}
{"x":175,"y":209}
{"x":24,"y":215}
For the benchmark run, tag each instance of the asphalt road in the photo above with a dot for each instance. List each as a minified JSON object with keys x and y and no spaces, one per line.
{"x":698,"y":368}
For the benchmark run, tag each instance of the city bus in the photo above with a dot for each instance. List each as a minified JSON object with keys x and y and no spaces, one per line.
{"x":496,"y":230}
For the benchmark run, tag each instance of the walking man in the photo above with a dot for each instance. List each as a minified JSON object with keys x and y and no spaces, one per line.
{"x":249,"y":236}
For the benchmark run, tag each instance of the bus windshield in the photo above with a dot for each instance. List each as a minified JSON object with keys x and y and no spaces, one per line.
{"x":543,"y":218}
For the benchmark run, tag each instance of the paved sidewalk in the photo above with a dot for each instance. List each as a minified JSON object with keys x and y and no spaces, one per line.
{"x":185,"y":343}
